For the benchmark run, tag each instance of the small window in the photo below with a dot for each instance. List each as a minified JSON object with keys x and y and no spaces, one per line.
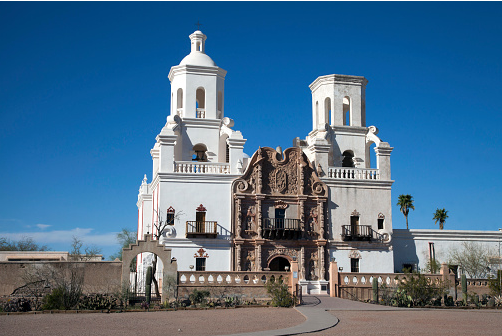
{"x":170,"y":214}
{"x":227,"y":153}
{"x":354,"y":265}
{"x":380,"y":223}
{"x":200,"y":264}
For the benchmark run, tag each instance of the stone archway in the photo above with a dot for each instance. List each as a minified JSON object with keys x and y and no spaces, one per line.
{"x":279,"y":264}
{"x":152,"y":246}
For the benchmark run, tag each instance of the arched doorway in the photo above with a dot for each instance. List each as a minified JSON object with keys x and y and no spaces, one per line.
{"x":279,"y":264}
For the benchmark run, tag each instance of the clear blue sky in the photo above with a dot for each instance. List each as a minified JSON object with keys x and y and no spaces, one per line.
{"x":84,"y":92}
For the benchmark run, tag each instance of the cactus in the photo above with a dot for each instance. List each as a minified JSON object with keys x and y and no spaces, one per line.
{"x":375,"y":290}
{"x":464,"y":288}
{"x":148,"y":285}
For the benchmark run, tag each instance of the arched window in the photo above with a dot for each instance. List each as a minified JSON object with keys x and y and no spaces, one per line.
{"x":179,"y":102}
{"x":348,"y":159}
{"x":199,"y":153}
{"x":347,"y":111}
{"x":170,"y":215}
{"x":198,"y":47}
{"x":381,"y":219}
{"x":327,"y":110}
{"x":200,"y":97}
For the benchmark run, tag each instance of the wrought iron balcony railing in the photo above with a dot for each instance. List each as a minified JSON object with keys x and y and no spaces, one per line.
{"x":357,"y":232}
{"x":199,"y":229}
{"x":281,"y":228}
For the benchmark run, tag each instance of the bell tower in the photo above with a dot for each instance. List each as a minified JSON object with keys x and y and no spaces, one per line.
{"x":197,"y":83}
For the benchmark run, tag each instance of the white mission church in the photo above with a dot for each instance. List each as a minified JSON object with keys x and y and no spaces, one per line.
{"x":311,"y":203}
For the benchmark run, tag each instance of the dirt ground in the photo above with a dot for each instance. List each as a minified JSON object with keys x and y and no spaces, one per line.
{"x":417,"y":322}
{"x":183,"y":323}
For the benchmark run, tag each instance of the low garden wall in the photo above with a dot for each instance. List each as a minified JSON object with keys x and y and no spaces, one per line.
{"x":245,"y":285}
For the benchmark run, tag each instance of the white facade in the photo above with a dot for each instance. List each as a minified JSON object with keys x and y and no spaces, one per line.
{"x":413,"y":247}
{"x":197,"y":157}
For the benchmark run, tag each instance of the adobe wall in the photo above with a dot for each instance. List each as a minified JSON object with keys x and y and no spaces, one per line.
{"x":99,"y":276}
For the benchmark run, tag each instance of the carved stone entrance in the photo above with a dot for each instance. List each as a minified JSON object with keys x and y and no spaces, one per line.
{"x":279,"y":264}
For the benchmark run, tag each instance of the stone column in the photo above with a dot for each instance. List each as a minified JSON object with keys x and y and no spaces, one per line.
{"x":238,"y":205}
{"x":258,"y":265}
{"x":321,"y":265}
{"x":166,"y":152}
{"x":333,"y":279}
{"x":383,"y":160}
{"x":302,"y":263}
{"x":258,"y":216}
{"x":235,"y":147}
{"x":321,"y":150}
{"x":238,"y":253}
{"x":320,"y":216}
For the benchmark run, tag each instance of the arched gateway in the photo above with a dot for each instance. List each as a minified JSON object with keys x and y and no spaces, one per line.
{"x":152,"y":246}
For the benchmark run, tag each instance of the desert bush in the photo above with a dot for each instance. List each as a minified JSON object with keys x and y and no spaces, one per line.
{"x":415,"y":290}
{"x":198,"y":296}
{"x":98,"y":302}
{"x":279,"y":293}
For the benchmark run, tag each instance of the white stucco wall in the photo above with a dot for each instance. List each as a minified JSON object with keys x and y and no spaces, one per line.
{"x":412,"y":246}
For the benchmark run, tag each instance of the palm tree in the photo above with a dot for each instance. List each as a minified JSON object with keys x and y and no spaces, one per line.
{"x":406,"y":203}
{"x":440,"y":216}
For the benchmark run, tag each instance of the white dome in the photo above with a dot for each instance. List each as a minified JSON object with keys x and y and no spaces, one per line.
{"x":197,"y":58}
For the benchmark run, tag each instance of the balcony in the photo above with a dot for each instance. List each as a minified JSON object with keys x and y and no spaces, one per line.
{"x":197,"y":167}
{"x":281,"y":228}
{"x":357,"y":233}
{"x":353,"y":173}
{"x":201,"y":113}
{"x":196,"y":229}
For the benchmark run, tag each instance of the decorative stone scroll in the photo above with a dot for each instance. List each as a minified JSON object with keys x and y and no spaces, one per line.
{"x":282,"y":251}
{"x":201,"y":253}
{"x":355,"y":213}
{"x":280,"y":205}
{"x":354,"y":254}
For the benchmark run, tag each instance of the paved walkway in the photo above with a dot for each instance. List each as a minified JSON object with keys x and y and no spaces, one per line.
{"x":316,"y":310}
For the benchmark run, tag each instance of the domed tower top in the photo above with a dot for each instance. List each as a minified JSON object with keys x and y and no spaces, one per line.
{"x":197,"y":84}
{"x":197,"y":54}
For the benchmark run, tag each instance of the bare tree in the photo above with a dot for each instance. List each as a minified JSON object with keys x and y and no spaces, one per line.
{"x":88,"y":253}
{"x":474,"y":258}
{"x":159,"y":227}
{"x":24,"y":244}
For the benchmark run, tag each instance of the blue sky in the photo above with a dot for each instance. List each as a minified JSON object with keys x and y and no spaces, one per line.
{"x":84,"y":92}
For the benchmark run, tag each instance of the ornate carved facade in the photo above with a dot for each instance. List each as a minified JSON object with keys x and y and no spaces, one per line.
{"x":279,"y":213}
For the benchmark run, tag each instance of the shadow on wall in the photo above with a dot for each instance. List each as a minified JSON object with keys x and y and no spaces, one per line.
{"x":405,"y":254}
{"x":328,"y":220}
{"x":223,"y":233}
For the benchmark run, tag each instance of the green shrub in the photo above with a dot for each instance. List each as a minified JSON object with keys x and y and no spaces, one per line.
{"x":98,"y":302}
{"x":415,"y":290}
{"x":279,"y":293}
{"x":198,"y":296}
